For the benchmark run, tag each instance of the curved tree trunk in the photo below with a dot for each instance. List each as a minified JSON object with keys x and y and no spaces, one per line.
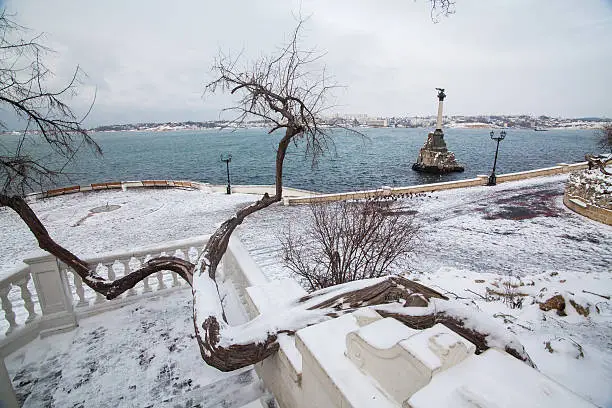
{"x":283,"y":91}
{"x":229,"y":348}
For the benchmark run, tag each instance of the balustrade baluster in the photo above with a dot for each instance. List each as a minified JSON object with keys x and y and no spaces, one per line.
{"x":193,"y":254}
{"x":78,"y":288}
{"x":112,"y":274}
{"x":9,"y":315}
{"x":160,"y":277}
{"x":102,"y":270}
{"x":160,"y":280}
{"x":145,"y":281}
{"x":126,"y":269}
{"x":27,"y":297}
{"x":175,"y":280}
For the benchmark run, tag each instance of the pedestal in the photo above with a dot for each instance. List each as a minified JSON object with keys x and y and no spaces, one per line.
{"x":434,"y":156}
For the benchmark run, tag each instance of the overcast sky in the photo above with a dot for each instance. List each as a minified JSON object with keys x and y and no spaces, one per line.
{"x":149,"y":59}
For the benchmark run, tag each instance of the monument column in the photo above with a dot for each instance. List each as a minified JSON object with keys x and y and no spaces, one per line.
{"x":441,"y":96}
{"x":434,"y":157}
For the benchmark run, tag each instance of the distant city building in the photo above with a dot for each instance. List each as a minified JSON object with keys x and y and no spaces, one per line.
{"x":377,"y":122}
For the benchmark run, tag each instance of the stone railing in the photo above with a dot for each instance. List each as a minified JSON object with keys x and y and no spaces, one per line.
{"x":45,"y":296}
{"x":124,"y":185}
{"x":17,"y":292}
{"x":360,"y":361}
{"x":480,"y":180}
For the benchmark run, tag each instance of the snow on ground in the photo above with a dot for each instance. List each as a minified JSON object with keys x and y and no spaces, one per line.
{"x":142,"y":355}
{"x":520,"y":228}
{"x":581,"y":357}
{"x":146,"y":217}
{"x":472,"y":239}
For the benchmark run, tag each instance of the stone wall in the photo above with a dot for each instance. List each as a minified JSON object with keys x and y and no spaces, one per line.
{"x":239,"y":189}
{"x":480,"y":180}
{"x":590,"y":211}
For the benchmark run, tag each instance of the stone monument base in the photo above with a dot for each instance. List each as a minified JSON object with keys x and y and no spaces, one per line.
{"x":437,"y":169}
{"x":435,"y":158}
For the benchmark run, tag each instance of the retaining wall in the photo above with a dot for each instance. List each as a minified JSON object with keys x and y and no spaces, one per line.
{"x":480,"y":180}
{"x":124,"y":185}
{"x":295,"y":196}
{"x":593,"y":212}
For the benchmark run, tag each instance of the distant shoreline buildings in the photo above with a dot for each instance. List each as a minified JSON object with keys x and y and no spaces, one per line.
{"x":467,"y":121}
{"x":367,"y":121}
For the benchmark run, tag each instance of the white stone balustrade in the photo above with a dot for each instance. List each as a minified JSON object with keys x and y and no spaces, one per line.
{"x":403,"y":360}
{"x":44,"y":284}
{"x":49,"y":286}
{"x":114,"y":266}
{"x":18,"y":303}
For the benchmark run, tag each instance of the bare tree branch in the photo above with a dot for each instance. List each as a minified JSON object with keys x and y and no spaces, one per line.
{"x":44,"y":112}
{"x":604,"y":136}
{"x":281,"y":89}
{"x":441,"y":8}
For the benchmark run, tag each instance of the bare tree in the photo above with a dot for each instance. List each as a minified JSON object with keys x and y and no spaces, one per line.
{"x":43,"y":112}
{"x":604,"y":136}
{"x":604,"y":141}
{"x":441,"y":8}
{"x":347,"y":241}
{"x":287,"y":92}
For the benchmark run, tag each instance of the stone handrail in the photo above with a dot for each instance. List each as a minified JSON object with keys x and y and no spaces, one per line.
{"x":20,"y":282}
{"x":124,"y":185}
{"x":44,"y":296}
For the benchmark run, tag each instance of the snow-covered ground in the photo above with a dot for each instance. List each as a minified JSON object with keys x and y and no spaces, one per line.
{"x":472,"y":239}
{"x":145,"y":217}
{"x":518,"y":228}
{"x":142,"y":355}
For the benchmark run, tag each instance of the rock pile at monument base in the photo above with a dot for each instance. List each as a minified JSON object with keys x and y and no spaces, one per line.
{"x":435,"y":158}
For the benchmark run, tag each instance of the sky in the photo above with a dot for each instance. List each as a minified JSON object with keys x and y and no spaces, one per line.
{"x":149,"y":60}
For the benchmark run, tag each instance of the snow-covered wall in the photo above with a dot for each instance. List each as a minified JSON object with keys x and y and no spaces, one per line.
{"x":481,"y":180}
{"x":240,"y":189}
{"x":588,"y":210}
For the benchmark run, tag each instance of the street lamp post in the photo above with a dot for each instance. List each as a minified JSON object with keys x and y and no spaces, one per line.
{"x":227,"y":159}
{"x":492,"y":177}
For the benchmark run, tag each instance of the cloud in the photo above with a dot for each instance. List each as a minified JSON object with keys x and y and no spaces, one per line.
{"x":149,"y":60}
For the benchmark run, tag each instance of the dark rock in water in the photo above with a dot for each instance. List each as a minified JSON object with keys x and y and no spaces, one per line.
{"x":435,"y":158}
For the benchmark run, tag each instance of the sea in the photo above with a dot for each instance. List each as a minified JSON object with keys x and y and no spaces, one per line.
{"x":378,"y":157}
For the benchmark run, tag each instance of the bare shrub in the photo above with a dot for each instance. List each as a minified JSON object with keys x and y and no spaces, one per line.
{"x":509,"y":293}
{"x":348,"y":241}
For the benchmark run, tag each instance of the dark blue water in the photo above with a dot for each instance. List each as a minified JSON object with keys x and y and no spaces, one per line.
{"x":385,"y":157}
